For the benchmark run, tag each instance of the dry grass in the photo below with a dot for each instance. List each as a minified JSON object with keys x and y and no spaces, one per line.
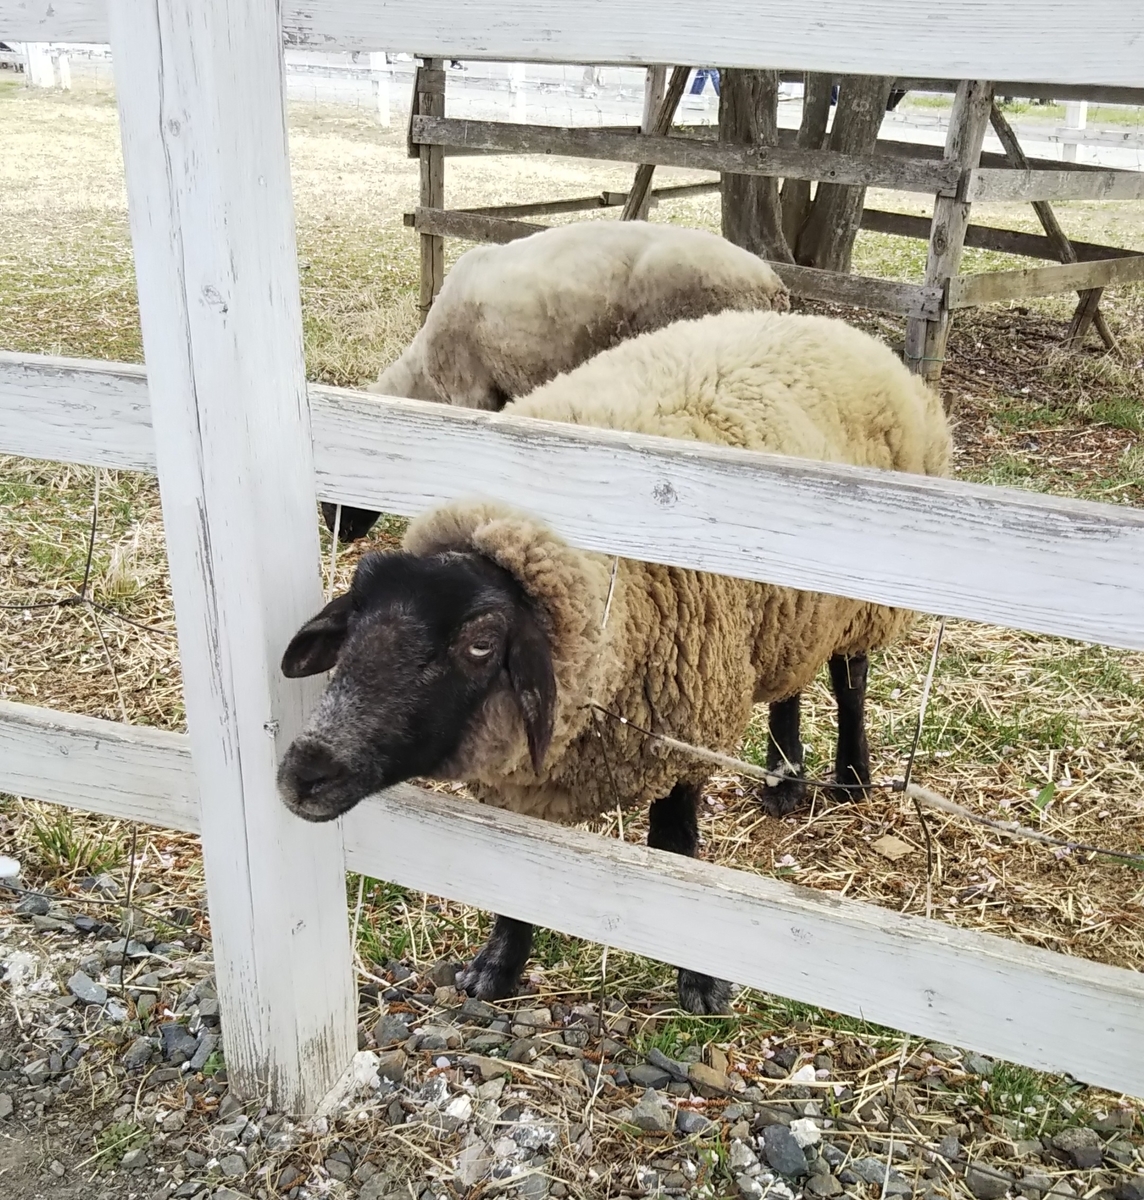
{"x":1012,"y":714}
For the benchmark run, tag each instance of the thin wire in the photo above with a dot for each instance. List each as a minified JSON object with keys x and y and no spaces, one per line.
{"x":334,"y":553}
{"x":926,"y":687}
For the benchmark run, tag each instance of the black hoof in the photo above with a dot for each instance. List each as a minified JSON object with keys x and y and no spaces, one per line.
{"x":786,"y":796}
{"x":355,"y":522}
{"x":702,"y":994}
{"x":485,"y":978}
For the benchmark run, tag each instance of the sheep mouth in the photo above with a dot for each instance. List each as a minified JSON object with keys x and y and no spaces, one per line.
{"x":320,"y":791}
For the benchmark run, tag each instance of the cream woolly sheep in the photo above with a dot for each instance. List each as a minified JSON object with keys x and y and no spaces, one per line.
{"x":511,"y":317}
{"x":478,"y":652}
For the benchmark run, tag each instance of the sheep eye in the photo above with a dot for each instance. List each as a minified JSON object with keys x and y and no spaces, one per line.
{"x":480,"y":650}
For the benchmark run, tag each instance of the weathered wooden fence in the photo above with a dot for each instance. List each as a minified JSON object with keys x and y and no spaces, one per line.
{"x":241,"y":446}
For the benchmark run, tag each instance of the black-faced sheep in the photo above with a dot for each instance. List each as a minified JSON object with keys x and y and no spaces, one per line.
{"x":478,"y":652}
{"x":511,"y":317}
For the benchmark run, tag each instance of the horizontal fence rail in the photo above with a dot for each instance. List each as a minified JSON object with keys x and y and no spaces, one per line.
{"x":1045,"y":41}
{"x":1046,"y":1010}
{"x":994,"y":286}
{"x":998,"y":555}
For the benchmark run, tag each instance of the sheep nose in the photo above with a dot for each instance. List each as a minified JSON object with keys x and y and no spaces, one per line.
{"x":307,"y":766}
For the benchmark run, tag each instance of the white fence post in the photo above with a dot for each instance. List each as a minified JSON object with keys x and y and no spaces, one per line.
{"x":516,"y":76}
{"x":202,"y":116}
{"x":379,"y":74}
{"x":38,"y":65}
{"x":64,"y":65}
{"x":1076,"y":117}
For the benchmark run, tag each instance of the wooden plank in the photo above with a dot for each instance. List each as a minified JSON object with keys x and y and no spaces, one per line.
{"x":934,"y":980}
{"x":94,"y":413}
{"x":208,"y":185}
{"x":125,"y":771}
{"x":604,"y":199}
{"x":637,"y":203}
{"x":873,"y":170}
{"x":1005,"y":556}
{"x":1018,"y":1002}
{"x":989,"y":184}
{"x":431,"y":102}
{"x":992,"y":287}
{"x":987,"y":237}
{"x":863,"y":291}
{"x":968,"y":121}
{"x":1090,"y":52}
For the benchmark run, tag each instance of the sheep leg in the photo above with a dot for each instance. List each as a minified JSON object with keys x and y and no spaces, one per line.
{"x":496,"y":970}
{"x":674,"y":826}
{"x":355,"y":522}
{"x":784,"y":757}
{"x":848,"y":675}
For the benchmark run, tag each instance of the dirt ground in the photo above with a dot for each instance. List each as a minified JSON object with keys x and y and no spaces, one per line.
{"x":1042,"y":730}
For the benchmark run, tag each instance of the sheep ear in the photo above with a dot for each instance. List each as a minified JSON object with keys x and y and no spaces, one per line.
{"x":533,"y":684}
{"x":316,"y":646}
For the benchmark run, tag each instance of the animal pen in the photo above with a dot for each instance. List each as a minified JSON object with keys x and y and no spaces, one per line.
{"x":241,"y":446}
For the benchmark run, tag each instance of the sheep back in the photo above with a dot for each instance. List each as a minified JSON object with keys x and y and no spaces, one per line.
{"x":510,"y":317}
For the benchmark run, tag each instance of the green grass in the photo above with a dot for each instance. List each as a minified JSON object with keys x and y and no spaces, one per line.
{"x":64,"y":844}
{"x":115,"y":1140}
{"x":1122,"y":412}
{"x":1029,"y":1103}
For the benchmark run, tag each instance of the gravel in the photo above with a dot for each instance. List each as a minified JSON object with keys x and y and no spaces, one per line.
{"x":653,"y":1114}
{"x":783,"y":1152}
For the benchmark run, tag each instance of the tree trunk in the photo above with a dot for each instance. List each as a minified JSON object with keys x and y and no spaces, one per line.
{"x":748,"y":115}
{"x":827,"y":238}
{"x":811,"y":135}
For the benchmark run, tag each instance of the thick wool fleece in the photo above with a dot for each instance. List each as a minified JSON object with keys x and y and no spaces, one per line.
{"x":685,"y":653}
{"x":511,"y":317}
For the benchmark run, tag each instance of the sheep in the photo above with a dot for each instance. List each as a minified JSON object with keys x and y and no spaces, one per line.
{"x":509,"y":318}
{"x":480,"y":651}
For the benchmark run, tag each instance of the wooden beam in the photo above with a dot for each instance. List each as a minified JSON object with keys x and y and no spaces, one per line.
{"x":126,"y":771}
{"x":968,"y":121}
{"x":790,"y":162}
{"x":636,"y":205}
{"x":431,"y":102}
{"x":989,"y":185}
{"x":931,"y":979}
{"x":604,"y":199}
{"x":208,"y":187}
{"x":966,"y":291}
{"x":471,"y":226}
{"x":1004,"y":556}
{"x":987,"y":237}
{"x":1065,"y":51}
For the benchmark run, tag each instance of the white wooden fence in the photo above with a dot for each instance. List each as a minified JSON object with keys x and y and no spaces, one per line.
{"x":240,"y":446}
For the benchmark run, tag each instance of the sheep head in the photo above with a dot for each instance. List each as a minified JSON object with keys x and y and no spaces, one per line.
{"x":421,"y":647}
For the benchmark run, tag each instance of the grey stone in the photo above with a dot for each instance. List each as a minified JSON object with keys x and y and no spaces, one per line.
{"x":823,"y":1185}
{"x":225,"y":1193}
{"x":533,"y":1187}
{"x":832,"y":1154}
{"x":742,"y":1157}
{"x":534,"y":1136}
{"x":1034,"y":1185}
{"x":677,"y":1071}
{"x":1081,"y":1146}
{"x":976,"y":1064}
{"x":873,"y":1170}
{"x":178,"y":1044}
{"x":985,"y":1182}
{"x":391,"y":1066}
{"x":1027,"y":1147}
{"x":338,"y":1169}
{"x":482,"y":1043}
{"x":138,"y":1054}
{"x":38,"y":1073}
{"x":208,"y":1044}
{"x":86,"y":989}
{"x":523,"y":1050}
{"x":443,"y":974}
{"x":229,"y":1106}
{"x":6,"y":1106}
{"x":689,"y":1122}
{"x":942,"y":1052}
{"x":478,"y":1010}
{"x":233,"y":1166}
{"x":134,"y":1159}
{"x":749,"y":1187}
{"x":50,"y":925}
{"x":707,"y":1081}
{"x":194,"y":1159}
{"x":652,"y":1114}
{"x":33,"y":906}
{"x":391,"y":1030}
{"x":949,"y":1148}
{"x":1130,"y":1187}
{"x":173,"y":1121}
{"x":782,"y":1152}
{"x":646,"y":1075}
